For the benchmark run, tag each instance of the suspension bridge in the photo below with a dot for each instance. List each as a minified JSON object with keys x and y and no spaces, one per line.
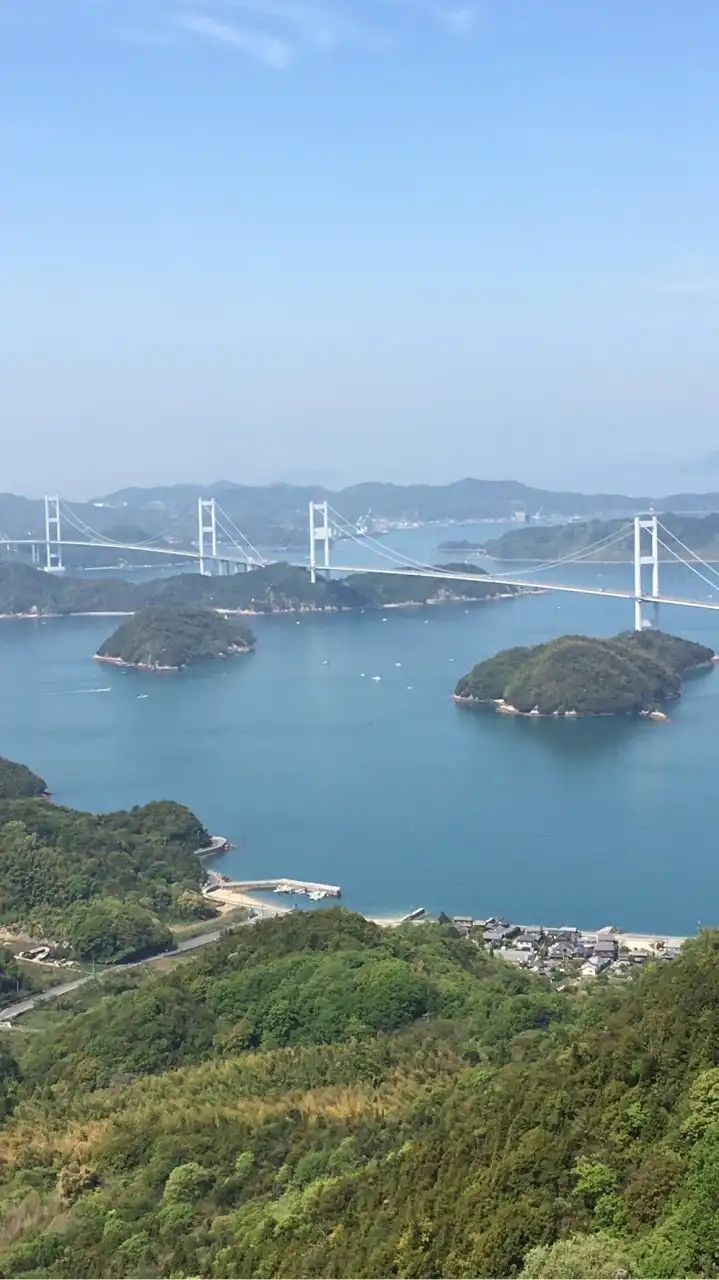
{"x":222,"y":548}
{"x":645,"y":533}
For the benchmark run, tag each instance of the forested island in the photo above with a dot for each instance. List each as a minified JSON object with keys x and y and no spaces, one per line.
{"x":553,"y":542}
{"x":635,"y":673}
{"x":461,"y":544}
{"x":275,"y":588}
{"x":316,"y":1096}
{"x":160,"y":638}
{"x":102,"y":886}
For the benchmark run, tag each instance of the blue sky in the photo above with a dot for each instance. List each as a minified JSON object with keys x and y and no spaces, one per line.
{"x":398,"y":239}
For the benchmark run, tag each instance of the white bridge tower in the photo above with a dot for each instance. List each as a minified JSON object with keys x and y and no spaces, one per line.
{"x":206,"y":531}
{"x":640,"y":524}
{"x":319,"y":532}
{"x":53,"y":536}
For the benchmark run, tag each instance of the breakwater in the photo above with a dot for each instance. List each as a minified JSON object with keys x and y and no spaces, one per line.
{"x":278,"y":885}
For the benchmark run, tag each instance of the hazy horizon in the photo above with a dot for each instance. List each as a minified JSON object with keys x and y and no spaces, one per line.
{"x":320,"y":481}
{"x":414,"y":239}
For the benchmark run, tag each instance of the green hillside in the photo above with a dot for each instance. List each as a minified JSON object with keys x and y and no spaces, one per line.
{"x":634,"y":672}
{"x":16,"y":781}
{"x":159,"y":638}
{"x":317,"y":1097}
{"x":274,"y":588}
{"x":553,"y":542}
{"x":104,"y":885}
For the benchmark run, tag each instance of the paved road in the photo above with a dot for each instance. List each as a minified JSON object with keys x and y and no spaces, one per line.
{"x":53,"y":993}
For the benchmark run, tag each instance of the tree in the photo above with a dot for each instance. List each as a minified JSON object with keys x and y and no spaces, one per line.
{"x":583,"y":1257}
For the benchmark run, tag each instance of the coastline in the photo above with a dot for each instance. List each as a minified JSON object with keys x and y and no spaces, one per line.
{"x":506,"y":709}
{"x":300,"y":608}
{"x":113,"y":661}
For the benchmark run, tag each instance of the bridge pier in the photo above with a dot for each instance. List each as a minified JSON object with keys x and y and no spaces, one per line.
{"x":206,"y":528}
{"x":53,"y":536}
{"x":319,"y":533}
{"x":640,"y":524}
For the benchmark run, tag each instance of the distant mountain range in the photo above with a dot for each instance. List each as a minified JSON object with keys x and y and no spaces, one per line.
{"x":276,"y":515}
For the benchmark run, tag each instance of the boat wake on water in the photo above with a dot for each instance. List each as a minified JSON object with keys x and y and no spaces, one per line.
{"x":73,"y":693}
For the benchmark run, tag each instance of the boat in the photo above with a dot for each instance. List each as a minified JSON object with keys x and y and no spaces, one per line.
{"x":316,"y":895}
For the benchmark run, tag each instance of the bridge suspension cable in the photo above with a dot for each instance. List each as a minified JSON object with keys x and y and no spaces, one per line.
{"x":81,"y":526}
{"x":250,"y":552}
{"x":576,"y":557}
{"x":394,"y":557}
{"x":234,"y":535}
{"x":710,"y":568}
{"x":397,"y":558}
{"x":688,"y":565}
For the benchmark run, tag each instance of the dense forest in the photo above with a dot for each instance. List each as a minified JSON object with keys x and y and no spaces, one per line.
{"x":535,"y":542}
{"x":637,"y":671}
{"x":275,"y":588}
{"x":103,"y":886}
{"x":315,"y":1096}
{"x":16,"y":780}
{"x":159,"y":638}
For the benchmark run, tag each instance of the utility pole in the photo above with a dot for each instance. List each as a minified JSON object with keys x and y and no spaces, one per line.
{"x":206,"y":529}
{"x":53,"y":535}
{"x":640,"y":524}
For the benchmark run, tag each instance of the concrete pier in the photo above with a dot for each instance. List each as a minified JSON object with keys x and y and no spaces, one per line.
{"x":268,"y":886}
{"x":218,"y":844}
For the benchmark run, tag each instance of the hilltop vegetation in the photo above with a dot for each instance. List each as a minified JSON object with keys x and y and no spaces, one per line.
{"x":701,"y":533}
{"x":633,"y":673}
{"x":421,"y":1109}
{"x":16,"y":780}
{"x":160,"y":638}
{"x":105,"y":885}
{"x":275,"y":588}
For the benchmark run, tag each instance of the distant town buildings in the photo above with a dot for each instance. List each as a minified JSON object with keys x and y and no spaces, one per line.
{"x":566,"y":950}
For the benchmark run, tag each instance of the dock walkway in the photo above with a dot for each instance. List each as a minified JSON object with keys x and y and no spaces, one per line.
{"x":269,"y":886}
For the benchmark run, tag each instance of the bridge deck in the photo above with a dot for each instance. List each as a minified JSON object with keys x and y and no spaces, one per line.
{"x":498,"y":579}
{"x":529,"y":585}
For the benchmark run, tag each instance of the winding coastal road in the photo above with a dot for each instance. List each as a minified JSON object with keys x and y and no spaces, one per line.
{"x":14,"y":1010}
{"x":260,"y":911}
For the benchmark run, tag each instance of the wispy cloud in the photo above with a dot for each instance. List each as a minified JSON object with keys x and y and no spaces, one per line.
{"x":318,"y":24}
{"x":699,"y":286}
{"x":273,"y":32}
{"x":461,"y":22}
{"x":456,"y":20}
{"x":268,"y":49}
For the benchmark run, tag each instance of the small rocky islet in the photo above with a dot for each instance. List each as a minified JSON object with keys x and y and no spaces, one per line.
{"x":634,"y":673}
{"x":163,"y":639}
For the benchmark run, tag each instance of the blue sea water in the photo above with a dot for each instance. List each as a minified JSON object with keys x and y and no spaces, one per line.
{"x":316,"y":769}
